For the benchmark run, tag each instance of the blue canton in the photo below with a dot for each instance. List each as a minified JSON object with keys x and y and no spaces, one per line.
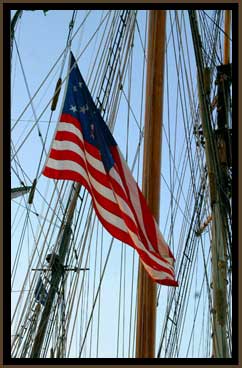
{"x":79,"y":103}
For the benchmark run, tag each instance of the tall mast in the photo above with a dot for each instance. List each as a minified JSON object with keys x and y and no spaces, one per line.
{"x":146,"y":313}
{"x":57,"y":273}
{"x":219,"y":228}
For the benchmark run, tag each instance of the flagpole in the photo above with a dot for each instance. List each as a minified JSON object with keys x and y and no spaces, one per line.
{"x":146,"y":312}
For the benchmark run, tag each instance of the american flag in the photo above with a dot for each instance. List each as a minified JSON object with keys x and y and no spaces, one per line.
{"x":84,"y":150}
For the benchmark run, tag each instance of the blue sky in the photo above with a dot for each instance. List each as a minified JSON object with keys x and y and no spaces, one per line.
{"x":38,"y":53}
{"x":40,"y":40}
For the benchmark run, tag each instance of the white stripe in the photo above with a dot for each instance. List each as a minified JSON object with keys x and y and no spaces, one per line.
{"x":134,"y":197}
{"x":68,"y":145}
{"x":122,"y":203}
{"x":103,"y":190}
{"x":119,"y":223}
{"x":70,"y":165}
{"x":70,"y":128}
{"x":110,"y":195}
{"x":157,"y":275}
{"x":110,"y":217}
{"x":94,"y":162}
{"x":168,"y":263}
{"x":162,"y":245}
{"x":71,"y":146}
{"x":116,"y":177}
{"x":106,"y":215}
{"x":67,"y":165}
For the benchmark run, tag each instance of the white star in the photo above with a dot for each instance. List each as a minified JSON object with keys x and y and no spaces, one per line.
{"x":92,"y":131}
{"x":84,"y":108}
{"x":73,"y":108}
{"x":74,"y":88}
{"x":80,"y":84}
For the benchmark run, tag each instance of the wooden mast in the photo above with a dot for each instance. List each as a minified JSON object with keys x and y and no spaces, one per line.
{"x":219,"y":241}
{"x":56,"y":276}
{"x":219,"y":236}
{"x":226,"y":36}
{"x":146,"y":313}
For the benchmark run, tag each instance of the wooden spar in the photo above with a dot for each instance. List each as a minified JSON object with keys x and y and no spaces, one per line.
{"x":226,"y":36}
{"x":146,"y":312}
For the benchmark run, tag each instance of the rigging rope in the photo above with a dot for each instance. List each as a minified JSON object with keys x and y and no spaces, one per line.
{"x":183,"y":191}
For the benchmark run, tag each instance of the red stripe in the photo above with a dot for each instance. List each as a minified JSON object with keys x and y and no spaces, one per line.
{"x":104,"y":179}
{"x":68,"y":118}
{"x":147,"y":215}
{"x":107,"y":181}
{"x":150,"y":262}
{"x":92,"y":150}
{"x":70,"y":137}
{"x":72,"y":156}
{"x":98,"y":175}
{"x":67,"y":155}
{"x":107,"y":204}
{"x":132,"y":227}
{"x":113,"y":230}
{"x":124,"y":237}
{"x":148,"y":221}
{"x":121,"y":173}
{"x":166,"y":282}
{"x":116,"y":232}
{"x":65,"y":175}
{"x":114,"y":208}
{"x":118,"y":189}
